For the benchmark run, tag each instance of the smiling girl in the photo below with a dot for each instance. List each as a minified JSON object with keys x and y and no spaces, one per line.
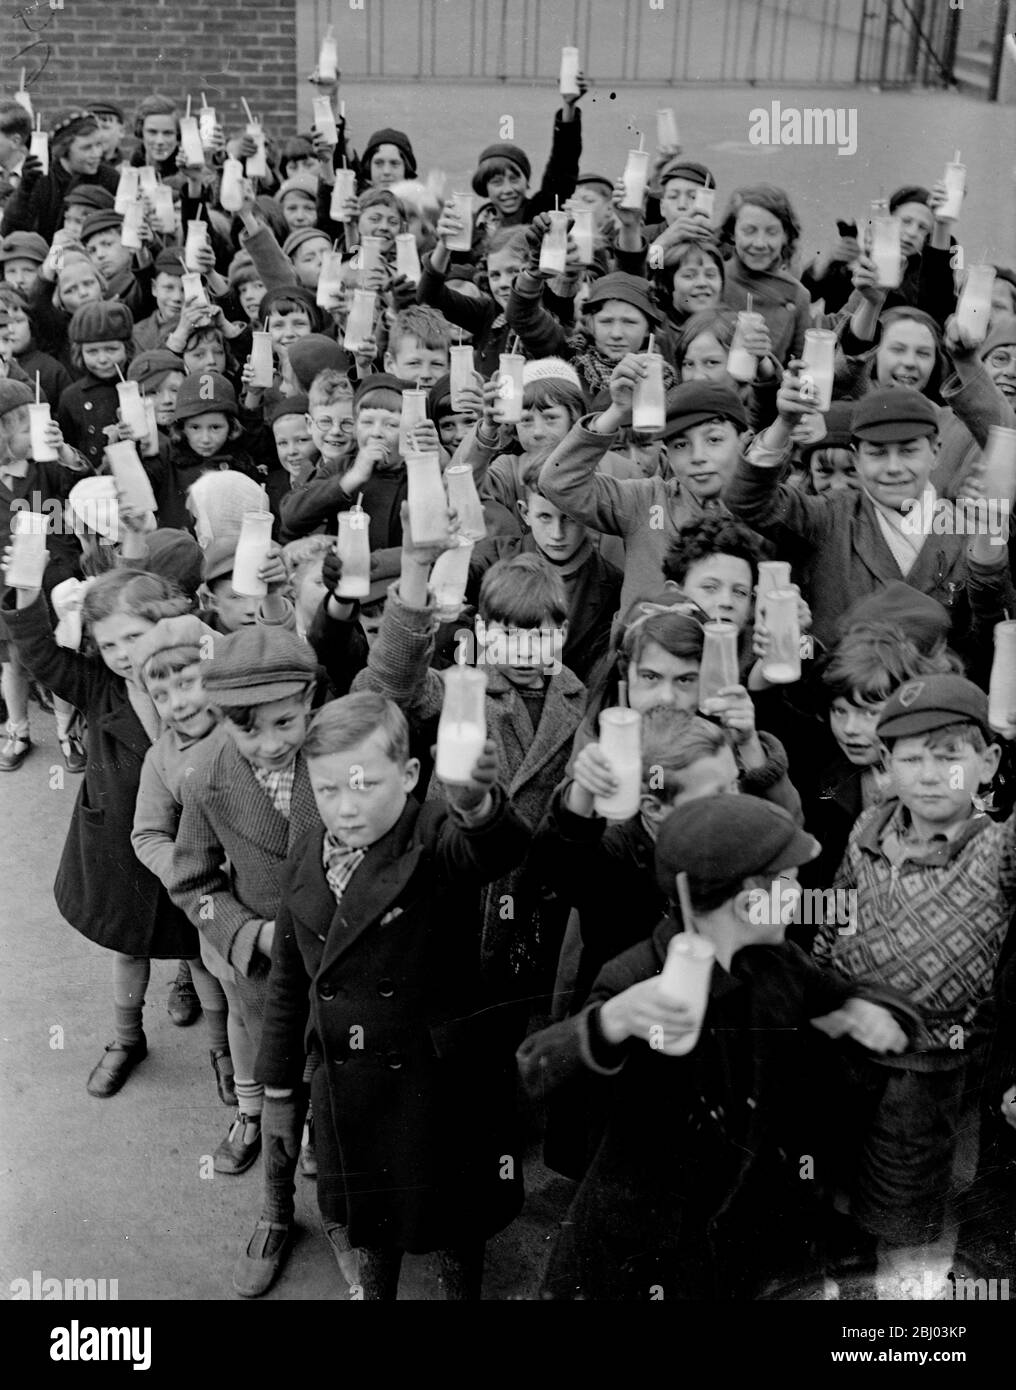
{"x":101,"y":348}
{"x":762,"y":230}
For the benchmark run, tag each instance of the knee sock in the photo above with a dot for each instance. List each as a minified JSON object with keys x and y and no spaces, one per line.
{"x":213,"y":1004}
{"x":65,"y":715}
{"x":130,"y":981}
{"x":241,"y":1048}
{"x":14,"y":685}
{"x":250,"y":1096}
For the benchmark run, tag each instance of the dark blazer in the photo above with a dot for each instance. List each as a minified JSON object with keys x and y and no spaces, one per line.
{"x":86,"y":408}
{"x":419,"y":1079}
{"x":40,"y":207}
{"x":102,"y":889}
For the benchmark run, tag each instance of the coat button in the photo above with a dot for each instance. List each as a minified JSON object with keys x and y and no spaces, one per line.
{"x":385,"y":988}
{"x":88,"y":405}
{"x":326,"y":992}
{"x":394,"y":1061}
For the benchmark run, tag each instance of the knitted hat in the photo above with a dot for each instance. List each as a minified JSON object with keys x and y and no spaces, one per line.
{"x":218,"y":501}
{"x":387,"y":136}
{"x":550,"y":369}
{"x":89,"y":195}
{"x":685,"y":169}
{"x":94,"y":504}
{"x":277,"y":406}
{"x":108,"y":321}
{"x":106,"y":108}
{"x":380,"y":381}
{"x":175,"y":555}
{"x":13,"y":394}
{"x":694,"y":402}
{"x":306,"y":184}
{"x":1002,"y":333}
{"x":314,"y":354}
{"x":100,"y":221}
{"x":71,"y":124}
{"x":201,"y":392}
{"x":909,"y":193}
{"x":259,"y":664}
{"x":242,"y":261}
{"x":630,"y":289}
{"x":299,"y":295}
{"x":151,"y":368}
{"x":170,"y":261}
{"x":219,"y":559}
{"x":24,"y":246}
{"x":170,"y":634}
{"x":503,"y":149}
{"x":296,"y":239}
{"x":893,"y":413}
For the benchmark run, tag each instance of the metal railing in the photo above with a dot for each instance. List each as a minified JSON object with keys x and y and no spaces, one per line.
{"x":660,"y":42}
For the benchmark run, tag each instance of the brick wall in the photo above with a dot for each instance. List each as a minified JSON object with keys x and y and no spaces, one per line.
{"x":126,"y":49}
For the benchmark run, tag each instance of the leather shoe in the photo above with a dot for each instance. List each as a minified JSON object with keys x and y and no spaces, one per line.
{"x":13,"y":752}
{"x":346,"y":1256}
{"x":184,"y":1006}
{"x":308,"y":1153}
{"x":74,"y":756}
{"x":119,"y":1061}
{"x":222,"y":1066}
{"x":267,"y":1251}
{"x":236,"y":1154}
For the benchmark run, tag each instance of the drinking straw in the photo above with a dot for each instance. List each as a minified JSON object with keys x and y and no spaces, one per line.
{"x":642,"y":141}
{"x":22,"y":87}
{"x":38,"y":390}
{"x":188,"y":106}
{"x":956,"y":157}
{"x":359,"y":501}
{"x":250,"y":113}
{"x":652,"y":343}
{"x":749,"y":299}
{"x":204,"y":103}
{"x":684,"y":898}
{"x":119,"y":372}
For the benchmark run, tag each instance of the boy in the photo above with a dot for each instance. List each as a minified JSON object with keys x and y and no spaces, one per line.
{"x":418,"y":347}
{"x":101,"y":236}
{"x":592,"y":585}
{"x":376,"y":949}
{"x":534,"y":706}
{"x":227,"y":611}
{"x":691,"y":1191}
{"x":503,"y":170}
{"x":22,"y":255}
{"x":935,"y":880}
{"x":167,"y":291}
{"x":704,"y":426}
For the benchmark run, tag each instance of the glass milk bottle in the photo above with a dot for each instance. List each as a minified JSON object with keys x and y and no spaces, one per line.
{"x":462,"y":373}
{"x":428,"y":505}
{"x":127,"y":189}
{"x":741,"y":363}
{"x":818,"y":356}
{"x":648,"y":402}
{"x":354,"y":552}
{"x":190,"y":141}
{"x":705,"y":201}
{"x":231,"y":185}
{"x":39,"y":419}
{"x":1002,"y":686}
{"x":974,"y":308}
{"x":206,"y":128}
{"x":667,"y":136}
{"x":164,"y":210}
{"x":197,"y":238}
{"x":360,"y":322}
{"x":345,"y":188}
{"x":252,"y":549}
{"x":27,"y":563}
{"x":886,"y":252}
{"x":328,"y":57}
{"x":782,"y":663}
{"x":330,"y":284}
{"x":324,"y":120}
{"x":133,"y":486}
{"x":462,"y":728}
{"x":508,"y":410}
{"x":635,"y":176}
{"x":150,"y":447}
{"x":554,"y":248}
{"x":685,"y":979}
{"x":372,"y":253}
{"x":955,"y":180}
{"x":414,"y":412}
{"x":464,"y":500}
{"x":998,"y":474}
{"x":448,"y":580}
{"x":407,"y":257}
{"x":462,"y":241}
{"x":131,"y":408}
{"x":772,"y":574}
{"x":130,"y":232}
{"x":257,"y":163}
{"x":262,"y":361}
{"x":582,"y":233}
{"x":39,"y":147}
{"x":568,"y":84}
{"x":193,"y":288}
{"x":148,"y":180}
{"x":621,"y":745}
{"x":719,"y":660}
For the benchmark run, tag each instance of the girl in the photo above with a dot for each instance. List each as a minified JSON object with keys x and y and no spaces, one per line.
{"x":691,"y":280}
{"x":102,"y":345}
{"x":157,"y":128}
{"x":761,"y":229}
{"x":503,"y":169}
{"x":900,"y":346}
{"x":100,"y":890}
{"x":205,"y":436}
{"x":387,"y":157}
{"x":68,"y":280}
{"x":702,"y":351}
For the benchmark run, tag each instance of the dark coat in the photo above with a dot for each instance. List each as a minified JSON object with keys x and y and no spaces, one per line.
{"x":177,"y":466}
{"x":420,"y":1082}
{"x":102,"y":889}
{"x":86,"y":408}
{"x":54,"y":378}
{"x":40,"y":207}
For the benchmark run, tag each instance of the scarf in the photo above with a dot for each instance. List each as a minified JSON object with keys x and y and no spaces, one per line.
{"x":340,"y":864}
{"x":906,"y":546}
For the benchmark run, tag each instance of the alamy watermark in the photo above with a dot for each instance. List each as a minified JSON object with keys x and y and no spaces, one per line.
{"x":812,"y":125}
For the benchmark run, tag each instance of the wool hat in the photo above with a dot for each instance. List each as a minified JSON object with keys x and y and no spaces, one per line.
{"x":170,"y":261}
{"x":106,"y":108}
{"x":551,"y":369}
{"x":14,"y":394}
{"x":296,"y":239}
{"x":909,"y":193}
{"x":150,"y":368}
{"x":69,"y":124}
{"x":218,"y":500}
{"x":259,"y":664}
{"x":607,"y":182}
{"x":242,"y":262}
{"x":380,"y":381}
{"x":107,"y":321}
{"x":630,"y":289}
{"x":170,"y":634}
{"x":388,"y":136}
{"x":297,"y":294}
{"x":1002,"y":333}
{"x":219,"y":559}
{"x":925,"y":621}
{"x":837,"y":430}
{"x":94,"y":504}
{"x":502,"y":149}
{"x":305,"y":184}
{"x":204,"y":391}
{"x":314,"y":354}
{"x":175,"y":555}
{"x":89,"y":195}
{"x":280,"y":406}
{"x":24,"y":246}
{"x":893,"y":413}
{"x":686,"y":169}
{"x":719,"y":841}
{"x":694,"y":402}
{"x":101,"y":221}
{"x":933,"y":702}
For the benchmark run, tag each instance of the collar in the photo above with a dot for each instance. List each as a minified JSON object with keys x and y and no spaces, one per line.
{"x":14,"y":468}
{"x":891,"y":822}
{"x":926,"y":505}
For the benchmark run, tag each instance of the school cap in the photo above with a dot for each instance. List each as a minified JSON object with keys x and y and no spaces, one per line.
{"x":175,"y":555}
{"x":687,"y":169}
{"x":891,"y":414}
{"x":71,"y":124}
{"x":204,"y":391}
{"x":608,"y":183}
{"x":389,"y":136}
{"x":108,"y":321}
{"x":837,"y":430}
{"x":89,"y":195}
{"x":14,"y":394}
{"x":170,"y":261}
{"x":630,"y":289}
{"x":277,"y":406}
{"x":103,"y":220}
{"x":219,"y":559}
{"x":296,"y":239}
{"x":1002,"y":333}
{"x":909,"y":193}
{"x":170,"y":634}
{"x":694,"y":402}
{"x":106,"y":108}
{"x":719,"y":841}
{"x":24,"y":246}
{"x":307,"y":184}
{"x":933,"y":702}
{"x":924,"y":620}
{"x":151,"y":367}
{"x":380,"y":381}
{"x":259,"y":664}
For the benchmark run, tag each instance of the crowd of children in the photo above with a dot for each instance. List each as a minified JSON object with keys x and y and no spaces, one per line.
{"x":414,"y":979}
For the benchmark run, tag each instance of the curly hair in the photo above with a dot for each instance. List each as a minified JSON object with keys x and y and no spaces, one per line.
{"x":772,"y":199}
{"x":872,"y":660}
{"x":139,"y":593}
{"x":710,"y":535}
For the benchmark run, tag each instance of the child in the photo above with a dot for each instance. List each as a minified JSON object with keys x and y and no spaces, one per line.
{"x":503,"y":170}
{"x":75,"y":156}
{"x":762,"y":230}
{"x":167,"y":291}
{"x":21,"y":255}
{"x":387,"y":157}
{"x":298,"y":198}
{"x":287,"y":418}
{"x":935,"y":880}
{"x":227,"y":611}
{"x":414,"y":1126}
{"x":101,"y":338}
{"x":160,"y":374}
{"x":418,"y":347}
{"x":17,"y":344}
{"x":711,"y":1202}
{"x":482,"y":316}
{"x":704,"y":425}
{"x":204,"y":436}
{"x":100,"y":889}
{"x":25,"y":484}
{"x":102,"y":238}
